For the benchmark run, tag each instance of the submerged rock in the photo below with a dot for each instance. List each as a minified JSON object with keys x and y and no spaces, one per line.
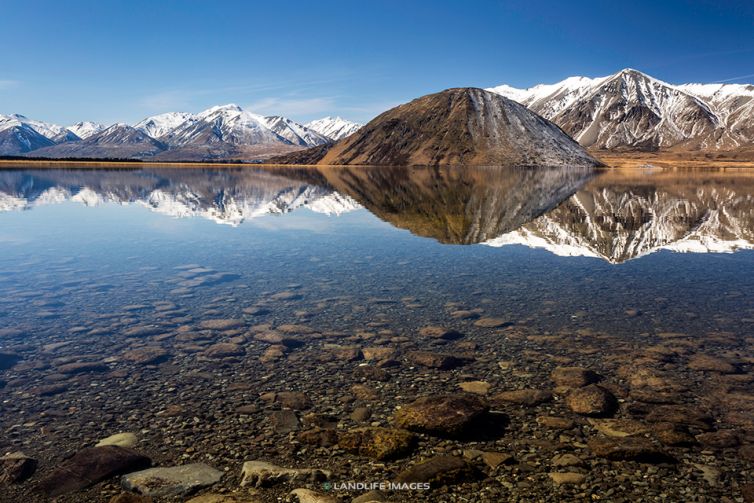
{"x":564,"y":478}
{"x":16,"y":467}
{"x":89,"y":466}
{"x":573,"y":377}
{"x":527,"y":397}
{"x":303,"y":495}
{"x":119,"y":439}
{"x":628,"y":449}
{"x":476,"y":387}
{"x":492,"y":323}
{"x":437,"y":332}
{"x":378,"y":443}
{"x":440,"y":470}
{"x":171,"y":481}
{"x":8,"y":359}
{"x":592,"y":400}
{"x":443,"y":415}
{"x":262,"y":474}
{"x":294,"y":400}
{"x":434,"y":360}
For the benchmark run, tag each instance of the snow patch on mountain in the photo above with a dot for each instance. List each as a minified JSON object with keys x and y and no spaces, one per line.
{"x":162,"y":124}
{"x":85,"y":129}
{"x":334,"y":128}
{"x":295,"y":132}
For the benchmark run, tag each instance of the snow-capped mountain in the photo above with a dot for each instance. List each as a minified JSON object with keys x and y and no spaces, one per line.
{"x":119,"y":141}
{"x":225,"y":197}
{"x":18,"y":138}
{"x":44,"y":128}
{"x":86,"y":129}
{"x":633,"y":110}
{"x":295,"y":132}
{"x":224,"y":124}
{"x":334,"y":128}
{"x":158,"y":126}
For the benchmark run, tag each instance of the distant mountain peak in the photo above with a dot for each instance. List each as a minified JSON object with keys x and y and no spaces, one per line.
{"x":334,"y":128}
{"x":85,"y":129}
{"x":633,"y":110}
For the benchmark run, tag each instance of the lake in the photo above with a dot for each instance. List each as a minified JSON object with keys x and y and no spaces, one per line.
{"x":601,"y":321}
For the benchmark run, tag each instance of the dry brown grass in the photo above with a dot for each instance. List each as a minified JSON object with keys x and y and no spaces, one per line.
{"x":672,"y":160}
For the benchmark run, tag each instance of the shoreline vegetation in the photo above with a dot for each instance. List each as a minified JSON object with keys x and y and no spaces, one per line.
{"x":615,"y":160}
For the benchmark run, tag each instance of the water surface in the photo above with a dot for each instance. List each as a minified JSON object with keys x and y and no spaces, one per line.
{"x":623,"y":272}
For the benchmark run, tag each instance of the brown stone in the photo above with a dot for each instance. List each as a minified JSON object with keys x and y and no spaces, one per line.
{"x":747,"y":492}
{"x":559,"y":423}
{"x":295,"y":400}
{"x":708,"y":363}
{"x":573,"y":377}
{"x":89,"y":466}
{"x":378,"y":443}
{"x":436,"y":332}
{"x":146,"y":356}
{"x":592,"y":400}
{"x":495,"y":459}
{"x":434,"y":360}
{"x":378,"y":353}
{"x":440,"y":470}
{"x":688,"y":415}
{"x":321,"y":437}
{"x":443,"y":415}
{"x":16,"y":467}
{"x":363,"y":392}
{"x":476,"y":387}
{"x":224,"y":350}
{"x":720,"y":439}
{"x":82,"y":367}
{"x":567,"y":478}
{"x":130,"y":498}
{"x":628,"y":449}
{"x":673,"y":435}
{"x":221,"y":324}
{"x":526,"y":397}
{"x":492,"y":323}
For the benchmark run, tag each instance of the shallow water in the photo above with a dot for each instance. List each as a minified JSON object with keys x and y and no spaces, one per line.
{"x":586,"y":268}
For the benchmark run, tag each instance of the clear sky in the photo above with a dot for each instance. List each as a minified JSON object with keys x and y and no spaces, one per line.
{"x":117,"y":60}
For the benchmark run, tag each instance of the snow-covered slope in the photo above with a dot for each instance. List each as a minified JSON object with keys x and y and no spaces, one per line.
{"x":119,"y":141}
{"x":158,"y":126}
{"x":334,"y":128}
{"x":633,"y":110}
{"x":295,"y":132}
{"x":86,"y":129}
{"x":20,"y":138}
{"x":224,"y":124}
{"x":44,"y":128}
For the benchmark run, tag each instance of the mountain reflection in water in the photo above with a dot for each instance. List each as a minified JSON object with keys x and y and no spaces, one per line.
{"x":614,"y":215}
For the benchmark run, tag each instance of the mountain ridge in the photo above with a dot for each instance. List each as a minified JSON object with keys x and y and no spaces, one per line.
{"x":631,"y":110}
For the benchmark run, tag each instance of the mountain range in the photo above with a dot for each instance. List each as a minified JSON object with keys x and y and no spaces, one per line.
{"x":630,"y":110}
{"x":219,"y":133}
{"x":626,"y":111}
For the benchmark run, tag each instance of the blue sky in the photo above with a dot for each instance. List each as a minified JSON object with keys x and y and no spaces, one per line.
{"x":114,"y":60}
